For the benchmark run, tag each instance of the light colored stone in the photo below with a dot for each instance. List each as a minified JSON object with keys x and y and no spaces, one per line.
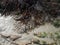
{"x":14,"y":37}
{"x":22,"y":42}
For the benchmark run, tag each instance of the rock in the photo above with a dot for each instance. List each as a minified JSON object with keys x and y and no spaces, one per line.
{"x":5,"y":35}
{"x":14,"y":37}
{"x":22,"y":42}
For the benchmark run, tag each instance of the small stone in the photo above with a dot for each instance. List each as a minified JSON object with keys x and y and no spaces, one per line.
{"x":14,"y":37}
{"x":22,"y":42}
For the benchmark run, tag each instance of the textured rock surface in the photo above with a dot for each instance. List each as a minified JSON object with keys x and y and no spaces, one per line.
{"x":12,"y":33}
